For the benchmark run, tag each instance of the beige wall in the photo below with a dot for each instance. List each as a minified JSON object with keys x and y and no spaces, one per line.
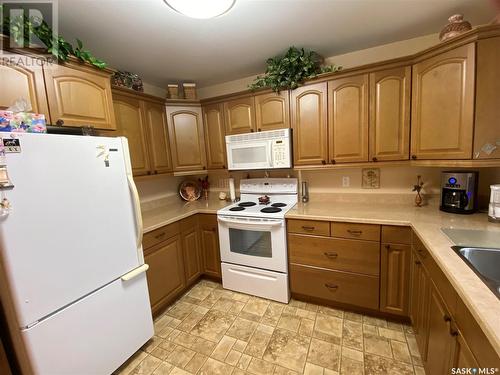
{"x":348,"y":60}
{"x":157,"y":187}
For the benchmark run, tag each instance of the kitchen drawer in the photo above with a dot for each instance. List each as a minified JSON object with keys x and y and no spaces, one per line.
{"x":319,"y":228}
{"x":343,"y":287}
{"x":335,"y":254}
{"x":367,"y":232}
{"x":394,"y":234}
{"x":159,"y":235}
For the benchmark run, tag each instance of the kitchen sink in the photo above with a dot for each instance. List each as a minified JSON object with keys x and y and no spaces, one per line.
{"x":485,"y":262}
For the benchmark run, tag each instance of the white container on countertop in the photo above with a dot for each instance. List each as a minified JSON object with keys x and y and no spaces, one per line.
{"x":494,"y":209}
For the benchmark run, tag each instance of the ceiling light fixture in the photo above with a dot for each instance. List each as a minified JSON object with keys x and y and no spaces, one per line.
{"x":201,"y":8}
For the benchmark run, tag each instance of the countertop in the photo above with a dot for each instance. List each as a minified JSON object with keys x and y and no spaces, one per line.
{"x":425,"y":221}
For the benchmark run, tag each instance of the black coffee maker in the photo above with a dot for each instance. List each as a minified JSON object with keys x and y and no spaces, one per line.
{"x":459,"y":192}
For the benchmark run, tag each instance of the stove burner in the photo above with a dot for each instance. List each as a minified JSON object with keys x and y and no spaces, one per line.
{"x":270,"y":210}
{"x":237,"y":208}
{"x":247,"y":204}
{"x":278,"y":205}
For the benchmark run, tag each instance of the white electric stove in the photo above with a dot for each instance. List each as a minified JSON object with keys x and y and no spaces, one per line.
{"x":252,"y":236}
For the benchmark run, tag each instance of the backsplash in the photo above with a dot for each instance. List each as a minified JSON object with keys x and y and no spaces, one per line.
{"x":396,"y":183}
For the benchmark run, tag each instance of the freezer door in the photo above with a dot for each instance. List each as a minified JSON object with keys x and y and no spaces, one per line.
{"x":95,"y":335}
{"x":72,"y":228}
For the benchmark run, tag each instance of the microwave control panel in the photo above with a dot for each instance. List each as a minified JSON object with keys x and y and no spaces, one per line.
{"x":281,"y":152}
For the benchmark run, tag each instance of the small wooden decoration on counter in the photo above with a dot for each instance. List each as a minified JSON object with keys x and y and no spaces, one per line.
{"x":419,"y":201}
{"x":205,"y":185}
{"x":455,"y":27}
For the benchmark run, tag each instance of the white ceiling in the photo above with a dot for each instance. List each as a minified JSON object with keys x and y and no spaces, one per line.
{"x":152,"y":40}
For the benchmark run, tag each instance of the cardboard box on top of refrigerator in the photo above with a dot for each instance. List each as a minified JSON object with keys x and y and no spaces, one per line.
{"x":22,"y":122}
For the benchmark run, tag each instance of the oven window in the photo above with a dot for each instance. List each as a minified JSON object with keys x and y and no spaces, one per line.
{"x":249,"y":242}
{"x":246,"y":155}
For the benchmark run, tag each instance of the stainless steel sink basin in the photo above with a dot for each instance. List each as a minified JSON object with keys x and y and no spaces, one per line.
{"x":485,"y":262}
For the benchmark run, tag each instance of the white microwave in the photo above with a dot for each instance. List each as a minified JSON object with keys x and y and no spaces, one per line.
{"x":263,"y":150}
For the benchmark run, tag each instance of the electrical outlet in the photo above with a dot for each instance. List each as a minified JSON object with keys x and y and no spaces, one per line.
{"x":346,"y":181}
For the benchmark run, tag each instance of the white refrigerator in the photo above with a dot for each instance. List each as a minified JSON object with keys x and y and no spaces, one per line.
{"x":71,"y":246}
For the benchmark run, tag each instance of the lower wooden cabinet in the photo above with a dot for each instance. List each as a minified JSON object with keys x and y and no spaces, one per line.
{"x":394,"y":278}
{"x":462,"y":355}
{"x":342,"y":287}
{"x":191,"y":249}
{"x":210,"y":245}
{"x":165,"y":276}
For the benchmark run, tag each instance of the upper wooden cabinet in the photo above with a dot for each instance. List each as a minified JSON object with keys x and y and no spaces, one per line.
{"x":240,"y":115}
{"x":79,"y":95}
{"x":213,"y":121}
{"x":443,"y":105}
{"x":156,"y":121}
{"x":187,"y":142}
{"x":132,"y":124}
{"x":272,"y":111}
{"x":23,"y":82}
{"x":487,"y":125}
{"x":310,"y":124}
{"x":390,"y":101}
{"x":348,"y":119}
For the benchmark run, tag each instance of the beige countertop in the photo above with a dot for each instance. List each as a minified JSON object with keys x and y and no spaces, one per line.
{"x":426,"y":222}
{"x":172,"y":209}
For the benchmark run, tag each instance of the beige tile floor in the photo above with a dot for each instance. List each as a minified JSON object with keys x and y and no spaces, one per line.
{"x":210,"y":330}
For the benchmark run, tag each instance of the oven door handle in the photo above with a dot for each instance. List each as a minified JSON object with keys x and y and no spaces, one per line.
{"x":255,"y":223}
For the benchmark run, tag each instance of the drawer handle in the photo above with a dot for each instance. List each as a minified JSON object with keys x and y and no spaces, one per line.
{"x":417,"y":262}
{"x":161,"y":235}
{"x":332,"y":287}
{"x":355,"y":232}
{"x":331,"y":255}
{"x":308,"y":228}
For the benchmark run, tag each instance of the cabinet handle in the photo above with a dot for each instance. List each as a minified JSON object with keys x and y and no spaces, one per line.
{"x":414,"y":157}
{"x":204,"y":167}
{"x":155,"y":172}
{"x":331,"y":287}
{"x":251,"y":130}
{"x":60,"y":122}
{"x":331,"y":255}
{"x":223,"y":167}
{"x":417,"y":262}
{"x":374,"y":159}
{"x":214,"y":229}
{"x":355,"y":232}
{"x":333,"y":161}
{"x":308,"y":228}
{"x":259,"y":129}
{"x":323,"y":162}
{"x":387,"y":247}
{"x":161,"y":235}
{"x":446,"y":318}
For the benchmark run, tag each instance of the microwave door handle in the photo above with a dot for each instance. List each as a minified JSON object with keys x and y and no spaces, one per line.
{"x":271,"y":161}
{"x":263,"y":223}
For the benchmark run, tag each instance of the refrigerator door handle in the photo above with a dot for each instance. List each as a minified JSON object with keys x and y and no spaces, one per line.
{"x":137,"y":210}
{"x":135,"y":272}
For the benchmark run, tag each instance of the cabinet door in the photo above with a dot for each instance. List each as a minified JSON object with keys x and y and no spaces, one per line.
{"x":166,"y":272}
{"x":215,"y":142}
{"x":420,"y":304}
{"x":240,"y":115}
{"x":390,"y":101}
{"x":210,"y":245}
{"x":272,"y":111}
{"x":131,"y":124}
{"x":79,"y":96}
{"x":159,"y":147}
{"x":440,"y":340}
{"x":23,"y":82}
{"x":348,"y":119}
{"x":443,"y":105}
{"x":310,"y":124}
{"x":462,"y":355}
{"x":394,"y":278}
{"x":187,"y":143}
{"x":191,"y":251}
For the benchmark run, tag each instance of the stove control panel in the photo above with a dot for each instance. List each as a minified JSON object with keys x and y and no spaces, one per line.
{"x":269,"y":186}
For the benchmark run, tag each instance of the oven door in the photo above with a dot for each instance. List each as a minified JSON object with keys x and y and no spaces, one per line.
{"x":253,"y":242}
{"x":249,"y":155}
